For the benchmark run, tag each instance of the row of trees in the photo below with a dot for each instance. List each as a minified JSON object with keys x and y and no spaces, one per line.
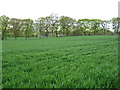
{"x":56,"y":26}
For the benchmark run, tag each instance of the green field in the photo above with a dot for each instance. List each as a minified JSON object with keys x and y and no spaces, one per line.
{"x":63,"y":62}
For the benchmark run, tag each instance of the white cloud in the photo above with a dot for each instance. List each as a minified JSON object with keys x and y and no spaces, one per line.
{"x":102,"y":9}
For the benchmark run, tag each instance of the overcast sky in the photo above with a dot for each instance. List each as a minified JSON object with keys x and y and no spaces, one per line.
{"x":77,"y":9}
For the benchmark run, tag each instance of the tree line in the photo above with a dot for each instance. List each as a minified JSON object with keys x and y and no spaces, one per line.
{"x":56,"y":26}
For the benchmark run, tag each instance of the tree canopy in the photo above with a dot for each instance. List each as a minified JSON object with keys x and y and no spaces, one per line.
{"x":55,"y":25}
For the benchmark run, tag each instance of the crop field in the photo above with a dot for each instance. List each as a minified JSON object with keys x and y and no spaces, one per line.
{"x":62,"y":62}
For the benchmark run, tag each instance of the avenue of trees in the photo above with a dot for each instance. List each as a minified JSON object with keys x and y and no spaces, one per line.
{"x":56,"y":26}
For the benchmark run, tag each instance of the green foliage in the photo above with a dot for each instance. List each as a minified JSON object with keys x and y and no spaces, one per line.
{"x":66,"y":23}
{"x":54,"y":25}
{"x":116,"y":25}
{"x":83,"y":25}
{"x":104,"y":26}
{"x":27,"y":25}
{"x":15,"y":25}
{"x":40,"y":25}
{"x":4,"y":26}
{"x":64,"y":62}
{"x":95,"y":24}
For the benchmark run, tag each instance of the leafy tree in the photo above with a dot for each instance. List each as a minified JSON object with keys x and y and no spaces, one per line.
{"x":47,"y":24}
{"x":83,"y":25}
{"x":40,"y":25}
{"x":0,"y":28}
{"x":15,"y":25}
{"x":28,"y":27}
{"x":104,"y":24}
{"x":116,"y":25}
{"x":54,"y":24}
{"x":66,"y":23}
{"x":95,"y":25}
{"x":4,"y":26}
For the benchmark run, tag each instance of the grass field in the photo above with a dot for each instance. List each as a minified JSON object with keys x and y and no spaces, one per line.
{"x":63,"y":62}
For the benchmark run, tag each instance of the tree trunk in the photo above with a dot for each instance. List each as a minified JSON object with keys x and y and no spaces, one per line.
{"x":56,"y":33}
{"x":26,"y":35}
{"x":52,"y":32}
{"x":89,"y":33}
{"x":84,"y":33}
{"x":67,"y":33}
{"x":15,"y":35}
{"x":40,"y":33}
{"x":94,"y":32}
{"x":2,"y":37}
{"x":104,"y":31}
{"x":63,"y":32}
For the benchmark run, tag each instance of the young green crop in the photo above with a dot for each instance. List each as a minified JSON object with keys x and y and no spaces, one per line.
{"x":63,"y":62}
